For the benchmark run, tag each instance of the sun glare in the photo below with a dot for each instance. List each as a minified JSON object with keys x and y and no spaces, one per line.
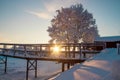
{"x":56,"y":49}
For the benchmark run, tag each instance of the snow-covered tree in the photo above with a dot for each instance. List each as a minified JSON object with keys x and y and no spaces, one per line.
{"x":90,"y":35}
{"x":73,"y":24}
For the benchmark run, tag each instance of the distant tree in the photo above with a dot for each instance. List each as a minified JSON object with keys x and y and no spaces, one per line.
{"x":72,"y":25}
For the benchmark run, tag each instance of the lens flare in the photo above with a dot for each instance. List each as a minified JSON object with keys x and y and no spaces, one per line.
{"x":56,"y":49}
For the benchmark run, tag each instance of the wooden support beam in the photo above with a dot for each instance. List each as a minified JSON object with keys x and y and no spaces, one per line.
{"x":35,"y":68}
{"x":68,"y":65}
{"x":3,"y":60}
{"x":63,"y":66}
{"x":31,"y":65}
{"x":5,"y":64}
{"x":27,"y":69}
{"x":84,"y":55}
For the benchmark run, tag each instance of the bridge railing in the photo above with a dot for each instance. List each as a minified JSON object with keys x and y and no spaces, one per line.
{"x":48,"y":50}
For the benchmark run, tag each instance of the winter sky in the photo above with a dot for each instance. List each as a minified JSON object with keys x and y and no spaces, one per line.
{"x":26,"y":21}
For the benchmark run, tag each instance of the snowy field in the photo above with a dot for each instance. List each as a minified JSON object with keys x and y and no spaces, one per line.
{"x":17,"y":67}
{"x":104,"y":66}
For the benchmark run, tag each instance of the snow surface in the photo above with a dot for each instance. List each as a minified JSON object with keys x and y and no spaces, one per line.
{"x":104,"y":66}
{"x":17,"y":70}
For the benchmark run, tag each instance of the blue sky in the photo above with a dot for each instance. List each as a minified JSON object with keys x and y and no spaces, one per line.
{"x":26,"y":21}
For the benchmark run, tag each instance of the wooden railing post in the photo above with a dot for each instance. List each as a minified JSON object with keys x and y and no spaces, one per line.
{"x":14,"y":46}
{"x":66,"y":53}
{"x":80,"y":50}
{"x":25,"y":52}
{"x":69,"y":54}
{"x":74,"y":50}
{"x":40,"y":53}
{"x":4,"y":48}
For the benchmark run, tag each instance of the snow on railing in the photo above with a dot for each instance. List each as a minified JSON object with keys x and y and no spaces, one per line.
{"x":118,"y":48}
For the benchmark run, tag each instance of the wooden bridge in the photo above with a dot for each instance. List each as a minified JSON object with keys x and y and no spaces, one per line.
{"x":69,"y":54}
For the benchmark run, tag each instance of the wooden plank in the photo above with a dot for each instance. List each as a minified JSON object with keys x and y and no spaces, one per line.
{"x":27,"y":69}
{"x":35,"y":68}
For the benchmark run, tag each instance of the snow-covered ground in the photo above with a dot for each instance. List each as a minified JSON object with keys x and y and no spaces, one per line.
{"x":17,"y":68}
{"x":104,"y":66}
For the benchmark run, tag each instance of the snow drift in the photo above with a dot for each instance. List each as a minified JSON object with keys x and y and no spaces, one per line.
{"x":104,"y":66}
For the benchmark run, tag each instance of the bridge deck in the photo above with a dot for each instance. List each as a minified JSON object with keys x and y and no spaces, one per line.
{"x":71,"y":60}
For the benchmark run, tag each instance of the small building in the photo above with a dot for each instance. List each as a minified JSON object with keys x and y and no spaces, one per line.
{"x":109,"y":41}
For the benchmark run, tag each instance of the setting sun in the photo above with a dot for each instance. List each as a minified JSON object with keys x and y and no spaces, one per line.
{"x":56,"y":49}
